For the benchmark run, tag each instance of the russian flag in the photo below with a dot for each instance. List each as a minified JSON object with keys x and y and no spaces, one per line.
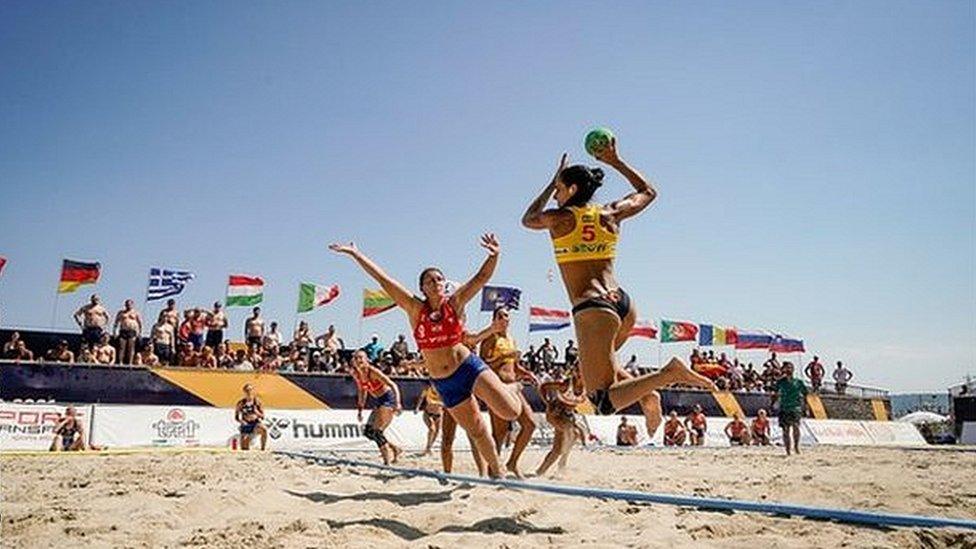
{"x":753,"y":340}
{"x":541,"y":319}
{"x":783,"y":344}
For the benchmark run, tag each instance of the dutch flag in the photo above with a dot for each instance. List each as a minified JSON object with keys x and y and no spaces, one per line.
{"x":541,"y":319}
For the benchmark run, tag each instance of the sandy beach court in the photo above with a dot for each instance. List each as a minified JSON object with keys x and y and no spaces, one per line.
{"x":263,"y":500}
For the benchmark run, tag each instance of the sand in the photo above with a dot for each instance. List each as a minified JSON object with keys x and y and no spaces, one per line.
{"x":262,"y":500}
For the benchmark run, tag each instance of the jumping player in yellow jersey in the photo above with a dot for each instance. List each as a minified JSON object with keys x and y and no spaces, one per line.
{"x":499,"y":352}
{"x":584,"y":237}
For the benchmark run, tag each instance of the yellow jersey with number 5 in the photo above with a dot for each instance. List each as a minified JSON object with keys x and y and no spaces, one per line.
{"x":589,"y":240}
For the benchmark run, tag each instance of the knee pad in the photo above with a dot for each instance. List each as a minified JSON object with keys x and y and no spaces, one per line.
{"x":374,"y":434}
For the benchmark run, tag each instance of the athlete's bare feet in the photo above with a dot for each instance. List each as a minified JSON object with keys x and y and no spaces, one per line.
{"x":678,"y":373}
{"x":396,"y":453}
{"x":513,"y":468}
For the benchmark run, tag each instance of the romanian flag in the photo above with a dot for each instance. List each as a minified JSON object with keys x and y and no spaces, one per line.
{"x":376,"y":302}
{"x":716,"y":335}
{"x":672,"y":331}
{"x":76,"y":273}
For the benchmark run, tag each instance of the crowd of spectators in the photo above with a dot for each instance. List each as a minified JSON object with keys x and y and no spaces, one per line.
{"x":197,"y":337}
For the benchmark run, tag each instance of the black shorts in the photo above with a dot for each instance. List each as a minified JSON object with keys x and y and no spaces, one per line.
{"x":92,"y":335}
{"x":214,"y":338}
{"x":127,"y":333}
{"x":616,"y":300}
{"x":247,"y":428}
{"x":788,"y":418}
{"x":253,"y":340}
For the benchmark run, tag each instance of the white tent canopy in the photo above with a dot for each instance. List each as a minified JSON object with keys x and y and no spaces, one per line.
{"x":921,"y":417}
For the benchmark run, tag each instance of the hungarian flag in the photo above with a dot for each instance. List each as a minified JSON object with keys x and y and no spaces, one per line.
{"x":673,"y":331}
{"x":376,"y":302}
{"x":644,"y":328}
{"x":75,"y":274}
{"x":311,"y":296}
{"x":244,"y":290}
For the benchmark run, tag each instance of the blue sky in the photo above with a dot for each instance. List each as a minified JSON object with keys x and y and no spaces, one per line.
{"x":815,"y":161}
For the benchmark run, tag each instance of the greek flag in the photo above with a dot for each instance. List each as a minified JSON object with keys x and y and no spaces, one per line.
{"x":165,"y":282}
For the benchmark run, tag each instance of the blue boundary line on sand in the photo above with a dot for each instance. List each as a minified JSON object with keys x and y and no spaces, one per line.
{"x":821,"y":513}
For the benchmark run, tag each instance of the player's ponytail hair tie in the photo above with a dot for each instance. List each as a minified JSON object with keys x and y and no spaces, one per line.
{"x":587,"y":181}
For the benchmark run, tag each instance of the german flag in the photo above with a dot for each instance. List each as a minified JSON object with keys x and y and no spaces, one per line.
{"x":76,"y":273}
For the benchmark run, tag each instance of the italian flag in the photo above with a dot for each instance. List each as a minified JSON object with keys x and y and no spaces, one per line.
{"x":311,"y":296}
{"x":244,"y":290}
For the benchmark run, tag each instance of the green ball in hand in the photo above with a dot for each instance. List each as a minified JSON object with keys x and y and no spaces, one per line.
{"x":597,"y":140}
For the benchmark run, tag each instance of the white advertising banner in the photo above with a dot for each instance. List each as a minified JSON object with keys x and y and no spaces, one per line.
{"x":841,"y":432}
{"x":339,"y":430}
{"x":124,"y":425}
{"x":31,"y":426}
{"x":893,"y":433}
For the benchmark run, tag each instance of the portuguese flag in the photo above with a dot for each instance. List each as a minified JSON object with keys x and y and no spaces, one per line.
{"x":311,"y":296}
{"x":244,"y":290}
{"x":376,"y":302}
{"x":75,"y":274}
{"x":673,"y":331}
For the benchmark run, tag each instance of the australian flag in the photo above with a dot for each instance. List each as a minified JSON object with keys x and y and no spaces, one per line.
{"x":165,"y":283}
{"x":493,"y":297}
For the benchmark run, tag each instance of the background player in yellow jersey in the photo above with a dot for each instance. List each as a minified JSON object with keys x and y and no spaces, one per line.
{"x":501,"y":354}
{"x":433,"y":408}
{"x":584,"y":237}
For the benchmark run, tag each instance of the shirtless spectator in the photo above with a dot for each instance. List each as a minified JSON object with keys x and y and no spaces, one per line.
{"x":737,"y":431}
{"x":547,"y":353}
{"x":224,"y":359}
{"x":626,"y":434}
{"x":147,"y":356}
{"x":104,"y":352}
{"x":697,"y":426}
{"x":21,"y":353}
{"x":760,"y":429}
{"x":302,"y":339}
{"x":815,"y":373}
{"x":842,"y":376}
{"x":92,"y":319}
{"x":85,"y":356}
{"x":272,"y":339}
{"x":750,"y":377}
{"x":674,"y":431}
{"x":170,"y":315}
{"x":60,"y":353}
{"x":571,"y":354}
{"x":216,"y":324}
{"x":531,"y":360}
{"x":254,"y":329}
{"x":10,"y":347}
{"x":198,"y":320}
{"x":330,"y":344}
{"x":189,"y":358}
{"x":207,"y":359}
{"x":399,"y":350}
{"x":128,"y":328}
{"x":163,"y":338}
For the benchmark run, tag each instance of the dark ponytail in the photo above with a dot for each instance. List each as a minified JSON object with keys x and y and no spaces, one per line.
{"x":587,"y":181}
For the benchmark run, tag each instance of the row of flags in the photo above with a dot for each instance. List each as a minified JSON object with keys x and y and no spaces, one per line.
{"x":248,"y":290}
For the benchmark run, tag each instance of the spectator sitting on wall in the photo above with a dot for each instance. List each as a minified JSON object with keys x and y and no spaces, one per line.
{"x":216,"y":324}
{"x":10,"y":347}
{"x":272,"y":340}
{"x":85,"y":356}
{"x":69,"y":433}
{"x":760,"y":429}
{"x":207,"y":359}
{"x":815,"y":372}
{"x":241,"y":362}
{"x":626,"y":434}
{"x":189,"y":358}
{"x":373,"y":349}
{"x":674,"y":431}
{"x":841,"y":378}
{"x":749,"y":375}
{"x":331,"y":343}
{"x":104,"y":352}
{"x":170,"y":315}
{"x":224,"y":359}
{"x":736,"y":376}
{"x":254,"y":329}
{"x":317,"y":363}
{"x":163,"y":338}
{"x":20,"y":352}
{"x":147,"y":356}
{"x":399,"y":350}
{"x":697,"y":426}
{"x":92,"y":319}
{"x":770,"y":375}
{"x":737,"y":431}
